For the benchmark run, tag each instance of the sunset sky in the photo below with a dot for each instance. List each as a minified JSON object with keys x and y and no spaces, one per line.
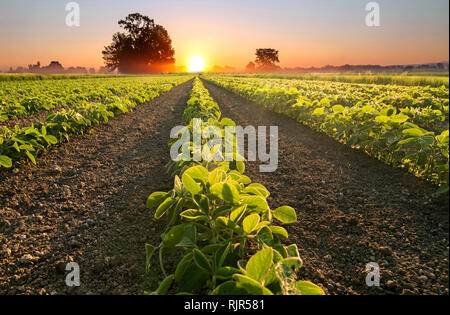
{"x":227,"y":32}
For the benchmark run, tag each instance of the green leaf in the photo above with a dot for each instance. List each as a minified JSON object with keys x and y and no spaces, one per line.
{"x":382,"y":119}
{"x":31,"y":157}
{"x":198,"y":173}
{"x":261,"y":225}
{"x":164,"y":286}
{"x":237,"y":214}
{"x":292,"y":262}
{"x":285,"y":215}
{"x":308,"y":288}
{"x":173,"y":212}
{"x":242,"y":265}
{"x":174,"y":236}
{"x":163,"y":207}
{"x":51,"y":139}
{"x":190,"y":184}
{"x":244,"y":180}
{"x":227,"y":223}
{"x":26,"y":147}
{"x":182,"y":266}
{"x":338,"y":109}
{"x":216,"y":176}
{"x":230,"y":288}
{"x":178,"y":185}
{"x":216,"y":190}
{"x":280,"y":232}
{"x":253,"y":287}
{"x":406,"y":141}
{"x":194,"y":215}
{"x":257,"y":189}
{"x":193,"y":278}
{"x":221,"y":211}
{"x":401,"y":118}
{"x":5,"y":161}
{"x":226,"y":192}
{"x":319,"y":111}
{"x":156,"y":199}
{"x":256,"y":203}
{"x":189,"y":238}
{"x":293,"y":251}
{"x":413,"y":132}
{"x":227,"y":122}
{"x":225,"y":273}
{"x":230,"y":193}
{"x":265,"y":234}
{"x":203,"y":203}
{"x":202,"y":261}
{"x":259,"y":264}
{"x":250,"y":223}
{"x":240,"y":166}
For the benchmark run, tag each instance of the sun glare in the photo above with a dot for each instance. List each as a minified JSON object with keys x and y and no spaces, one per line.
{"x":196,"y":64}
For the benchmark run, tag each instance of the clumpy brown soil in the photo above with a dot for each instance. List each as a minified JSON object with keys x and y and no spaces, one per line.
{"x":352,"y":210}
{"x":85,"y":202}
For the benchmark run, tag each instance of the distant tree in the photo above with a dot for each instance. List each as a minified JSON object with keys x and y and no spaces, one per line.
{"x":53,"y":68}
{"x":20,"y":70}
{"x":77,"y":70}
{"x":251,"y":67}
{"x":34,"y":68}
{"x":143,"y":47}
{"x":266,"y":59}
{"x":104,"y":70}
{"x":92,"y":71}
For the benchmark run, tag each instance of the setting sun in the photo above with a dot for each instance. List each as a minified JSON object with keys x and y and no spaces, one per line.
{"x":196,"y":64}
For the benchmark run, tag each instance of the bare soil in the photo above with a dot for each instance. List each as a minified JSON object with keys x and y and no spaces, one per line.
{"x":352,"y":210}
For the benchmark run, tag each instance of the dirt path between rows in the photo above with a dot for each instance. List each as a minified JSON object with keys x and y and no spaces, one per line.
{"x":352,"y":210}
{"x":85,"y":202}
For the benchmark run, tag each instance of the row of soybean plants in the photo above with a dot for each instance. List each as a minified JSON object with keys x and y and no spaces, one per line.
{"x":220,"y":221}
{"x":433,"y":80}
{"x":390,"y":133}
{"x":23,"y":98}
{"x":18,"y":143}
{"x":424,"y":106}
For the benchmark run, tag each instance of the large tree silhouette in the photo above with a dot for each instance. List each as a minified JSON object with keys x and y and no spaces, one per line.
{"x":266,"y":59}
{"x":143,"y":47}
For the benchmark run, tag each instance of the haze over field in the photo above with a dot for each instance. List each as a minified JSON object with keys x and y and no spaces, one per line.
{"x":226,"y":33}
